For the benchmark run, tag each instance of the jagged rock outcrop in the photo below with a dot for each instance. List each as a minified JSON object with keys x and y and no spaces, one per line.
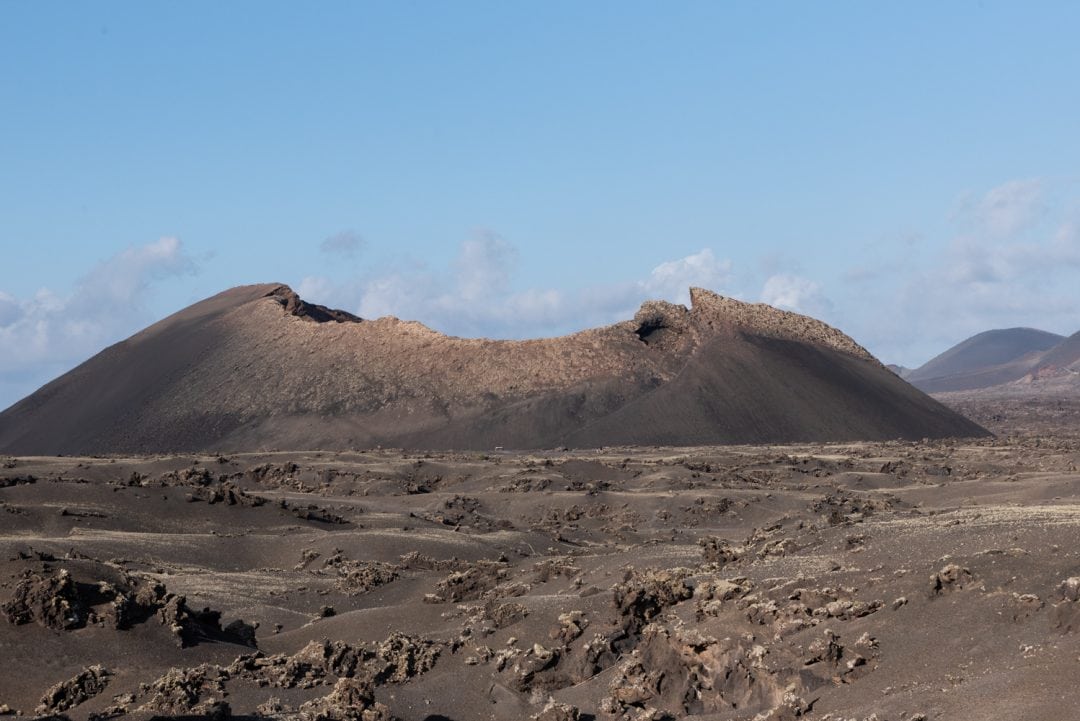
{"x":256,"y":367}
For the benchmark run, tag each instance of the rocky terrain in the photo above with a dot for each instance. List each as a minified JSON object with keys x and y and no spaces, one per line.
{"x":890,"y":580}
{"x":256,"y":368}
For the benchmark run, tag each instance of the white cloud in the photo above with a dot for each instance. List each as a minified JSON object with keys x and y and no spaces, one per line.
{"x":49,"y":333}
{"x":317,"y":288}
{"x":672,"y":280}
{"x":792,"y":292}
{"x":1013,"y":263}
{"x":475,"y":296}
{"x":969,"y":260}
{"x":1010,"y":208}
{"x":9,"y":309}
{"x":121,"y":281}
{"x":484,"y":265}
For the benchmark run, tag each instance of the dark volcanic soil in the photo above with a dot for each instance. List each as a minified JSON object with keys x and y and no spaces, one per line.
{"x":893,"y":581}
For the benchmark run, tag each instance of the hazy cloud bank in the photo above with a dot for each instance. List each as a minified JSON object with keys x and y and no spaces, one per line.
{"x":1012,"y":260}
{"x":474,"y":295}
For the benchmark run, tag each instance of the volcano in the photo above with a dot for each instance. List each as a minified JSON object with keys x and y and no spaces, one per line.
{"x":258,"y":368}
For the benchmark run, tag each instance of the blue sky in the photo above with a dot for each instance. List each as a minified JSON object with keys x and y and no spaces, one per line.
{"x":907,"y":172}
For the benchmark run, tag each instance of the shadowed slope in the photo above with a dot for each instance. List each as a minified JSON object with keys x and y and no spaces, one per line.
{"x":256,"y":368}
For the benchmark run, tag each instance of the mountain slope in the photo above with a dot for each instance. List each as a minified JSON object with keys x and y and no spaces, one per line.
{"x":1065,"y":356}
{"x":258,"y":368}
{"x":987,"y":359}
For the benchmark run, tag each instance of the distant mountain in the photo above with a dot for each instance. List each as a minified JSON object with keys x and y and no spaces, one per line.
{"x":258,"y":368}
{"x":1064,"y":358}
{"x":988,"y":359}
{"x":899,"y":370}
